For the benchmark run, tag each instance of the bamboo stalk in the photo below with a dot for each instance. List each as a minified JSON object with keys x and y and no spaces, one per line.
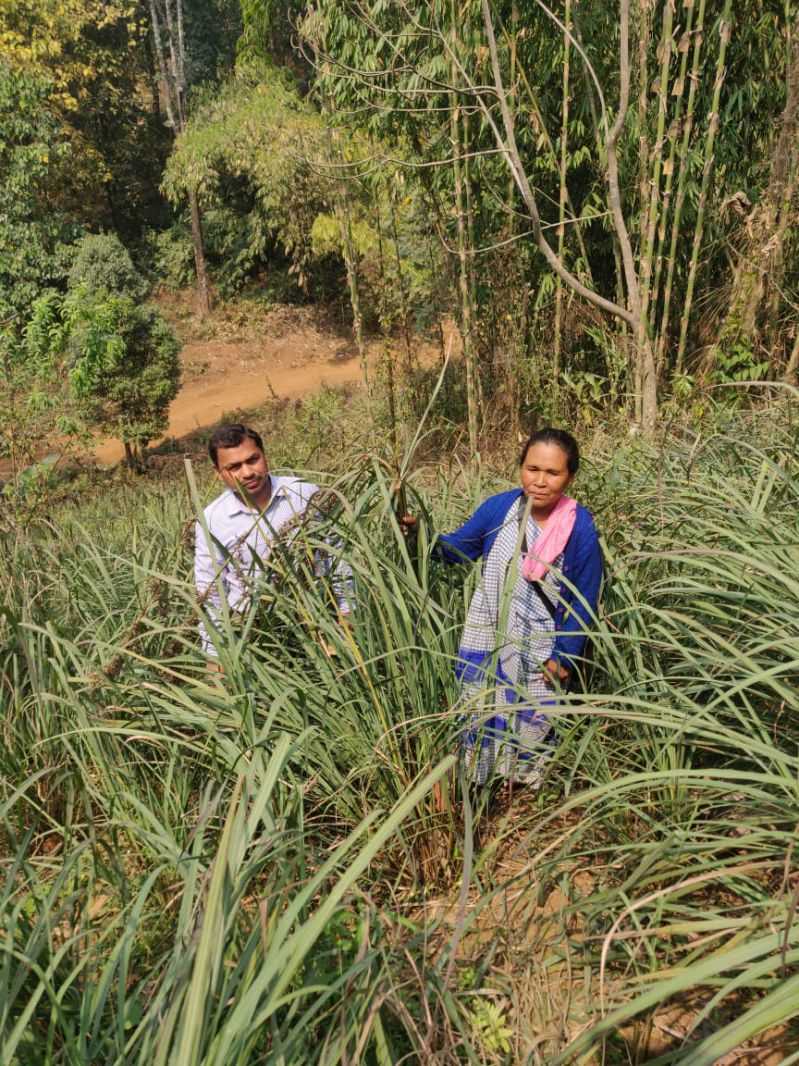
{"x":564,"y":131}
{"x":725,"y":28}
{"x":506,"y":141}
{"x":644,"y":27}
{"x":646,"y":267}
{"x":512,"y":94}
{"x":467,"y":328}
{"x":402,"y":288}
{"x":342,"y":214}
{"x":471,"y":244}
{"x":684,"y":48}
{"x":681,"y":182}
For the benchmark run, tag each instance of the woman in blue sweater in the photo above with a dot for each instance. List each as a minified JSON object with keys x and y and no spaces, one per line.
{"x":526,"y":626}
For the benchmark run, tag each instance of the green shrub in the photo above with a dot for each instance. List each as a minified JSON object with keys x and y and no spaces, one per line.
{"x":124,"y":366}
{"x":101,"y":263}
{"x":234,"y":243}
{"x":37,"y":414}
{"x":120,"y":358}
{"x":172,"y":256}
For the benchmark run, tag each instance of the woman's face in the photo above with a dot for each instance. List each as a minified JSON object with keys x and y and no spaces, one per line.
{"x":545,"y":474}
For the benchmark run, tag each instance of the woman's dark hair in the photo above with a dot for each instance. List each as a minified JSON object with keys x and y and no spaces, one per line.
{"x":564,"y":441}
{"x":231,"y":436}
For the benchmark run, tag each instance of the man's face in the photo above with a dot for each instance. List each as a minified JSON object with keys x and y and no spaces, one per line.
{"x":245,"y":470}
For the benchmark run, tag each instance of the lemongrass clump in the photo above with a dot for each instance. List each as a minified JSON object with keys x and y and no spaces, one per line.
{"x":195,"y":865}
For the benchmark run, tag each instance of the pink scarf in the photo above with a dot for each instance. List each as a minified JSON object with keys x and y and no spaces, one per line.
{"x":552,"y":540}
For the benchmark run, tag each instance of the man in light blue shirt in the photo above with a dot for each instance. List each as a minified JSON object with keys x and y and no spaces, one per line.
{"x":241,"y":525}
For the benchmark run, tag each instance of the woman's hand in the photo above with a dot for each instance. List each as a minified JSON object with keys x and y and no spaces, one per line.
{"x":408,"y":524}
{"x":554,"y":671}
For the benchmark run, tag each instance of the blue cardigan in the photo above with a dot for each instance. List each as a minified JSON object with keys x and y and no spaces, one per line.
{"x":582,"y":567}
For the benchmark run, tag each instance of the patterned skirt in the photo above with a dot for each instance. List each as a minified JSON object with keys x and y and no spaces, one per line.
{"x":508,"y":636}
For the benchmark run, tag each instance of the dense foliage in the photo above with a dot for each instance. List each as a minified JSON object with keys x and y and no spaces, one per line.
{"x":32,"y":150}
{"x":117,"y":356}
{"x":101,"y":263}
{"x":355,"y":147}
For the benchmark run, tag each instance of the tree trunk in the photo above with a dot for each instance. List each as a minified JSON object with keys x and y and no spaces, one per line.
{"x":170,"y":53}
{"x":203,"y":291}
{"x":341,"y":210}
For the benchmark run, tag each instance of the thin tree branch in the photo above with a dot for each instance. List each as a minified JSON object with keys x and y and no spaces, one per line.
{"x":508,"y":143}
{"x":614,"y":194}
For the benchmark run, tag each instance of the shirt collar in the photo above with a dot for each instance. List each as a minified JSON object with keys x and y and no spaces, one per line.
{"x":236,"y":504}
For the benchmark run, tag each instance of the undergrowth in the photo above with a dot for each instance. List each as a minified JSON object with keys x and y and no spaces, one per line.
{"x":282,"y":863}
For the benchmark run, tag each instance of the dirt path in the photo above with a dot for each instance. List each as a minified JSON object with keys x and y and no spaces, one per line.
{"x":294,"y":356}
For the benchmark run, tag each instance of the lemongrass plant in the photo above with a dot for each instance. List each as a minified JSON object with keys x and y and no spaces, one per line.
{"x":657,"y":860}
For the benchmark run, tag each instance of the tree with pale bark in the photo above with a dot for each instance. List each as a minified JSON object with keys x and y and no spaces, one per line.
{"x":169,"y":40}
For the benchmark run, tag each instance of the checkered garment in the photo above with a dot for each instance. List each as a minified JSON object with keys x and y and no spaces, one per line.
{"x":509,"y":634}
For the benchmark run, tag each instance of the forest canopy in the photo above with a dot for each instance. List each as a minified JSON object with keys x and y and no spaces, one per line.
{"x":603,"y":197}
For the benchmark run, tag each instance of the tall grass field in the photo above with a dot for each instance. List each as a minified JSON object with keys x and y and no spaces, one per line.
{"x":283,"y":863}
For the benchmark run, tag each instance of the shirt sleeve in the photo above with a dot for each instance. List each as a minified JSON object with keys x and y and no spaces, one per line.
{"x":579,"y":608}
{"x":208,"y":573}
{"x":468,"y":542}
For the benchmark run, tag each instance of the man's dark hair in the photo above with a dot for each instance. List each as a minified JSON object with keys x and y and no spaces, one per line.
{"x":231,"y":436}
{"x":564,"y":440}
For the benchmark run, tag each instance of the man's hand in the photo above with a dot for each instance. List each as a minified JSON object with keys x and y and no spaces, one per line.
{"x":554,"y":671}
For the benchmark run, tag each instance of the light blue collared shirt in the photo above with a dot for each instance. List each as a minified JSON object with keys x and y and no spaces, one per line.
{"x":239,"y":538}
